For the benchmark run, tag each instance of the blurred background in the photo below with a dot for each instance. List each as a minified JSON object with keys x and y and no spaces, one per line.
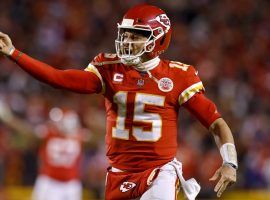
{"x":228,"y":41}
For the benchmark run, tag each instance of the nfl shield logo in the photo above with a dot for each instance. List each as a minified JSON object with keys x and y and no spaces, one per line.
{"x":140,"y":82}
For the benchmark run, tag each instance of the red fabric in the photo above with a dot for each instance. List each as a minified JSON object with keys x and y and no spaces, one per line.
{"x":128,"y":112}
{"x":203,"y":109}
{"x":132,"y":154}
{"x":119,"y":185}
{"x":60,"y":156}
{"x":75,"y":80}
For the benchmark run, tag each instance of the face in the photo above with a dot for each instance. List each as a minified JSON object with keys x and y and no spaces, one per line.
{"x":133,"y":42}
{"x":131,"y":45}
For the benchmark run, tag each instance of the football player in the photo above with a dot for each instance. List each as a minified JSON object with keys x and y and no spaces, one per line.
{"x":60,"y":153}
{"x":143,"y":94}
{"x":60,"y":156}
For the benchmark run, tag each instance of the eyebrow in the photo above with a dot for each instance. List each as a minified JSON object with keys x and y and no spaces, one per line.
{"x":143,"y":33}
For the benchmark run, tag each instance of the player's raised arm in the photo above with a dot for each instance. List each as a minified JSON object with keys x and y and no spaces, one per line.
{"x":75,"y":80}
{"x":8,"y":118}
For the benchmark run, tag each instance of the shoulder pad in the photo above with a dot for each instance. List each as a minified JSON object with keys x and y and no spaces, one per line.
{"x":187,"y":69}
{"x":105,"y":59}
{"x":179,"y":65}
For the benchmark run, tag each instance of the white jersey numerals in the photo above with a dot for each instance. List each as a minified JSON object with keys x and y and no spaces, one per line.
{"x":141,"y":99}
{"x":179,"y":65}
{"x":119,"y":131}
{"x":62,"y":152}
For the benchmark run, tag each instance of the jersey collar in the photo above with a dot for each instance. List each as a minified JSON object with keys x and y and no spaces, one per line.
{"x":148,"y":65}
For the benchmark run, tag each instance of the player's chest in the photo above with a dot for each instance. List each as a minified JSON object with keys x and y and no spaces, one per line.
{"x":140,"y":87}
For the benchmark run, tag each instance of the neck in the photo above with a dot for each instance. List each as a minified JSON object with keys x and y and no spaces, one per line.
{"x":148,"y":65}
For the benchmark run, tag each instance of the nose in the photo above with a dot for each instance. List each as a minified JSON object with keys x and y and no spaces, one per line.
{"x":127,"y":42}
{"x":127,"y":38}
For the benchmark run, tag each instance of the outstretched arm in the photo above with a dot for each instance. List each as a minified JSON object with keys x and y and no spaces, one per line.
{"x":72,"y":79}
{"x":13,"y":122}
{"x":205,"y":111}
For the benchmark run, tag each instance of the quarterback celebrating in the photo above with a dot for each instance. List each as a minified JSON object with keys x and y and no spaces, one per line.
{"x":143,"y":94}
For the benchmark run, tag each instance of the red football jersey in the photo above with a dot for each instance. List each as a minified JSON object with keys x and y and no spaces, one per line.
{"x":60,"y":156}
{"x":142,"y":109}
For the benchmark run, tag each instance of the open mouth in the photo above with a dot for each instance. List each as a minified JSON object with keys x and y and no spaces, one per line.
{"x":127,"y":51}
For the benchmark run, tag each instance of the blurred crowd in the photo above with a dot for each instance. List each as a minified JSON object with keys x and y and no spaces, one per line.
{"x":227,"y":41}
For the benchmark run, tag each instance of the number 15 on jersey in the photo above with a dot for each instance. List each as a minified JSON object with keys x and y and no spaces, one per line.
{"x":141,"y":99}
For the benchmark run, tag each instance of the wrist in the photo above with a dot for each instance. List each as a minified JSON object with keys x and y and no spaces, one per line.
{"x":11,"y":51}
{"x":231,"y":165}
{"x":229,"y":155}
{"x":16,"y":55}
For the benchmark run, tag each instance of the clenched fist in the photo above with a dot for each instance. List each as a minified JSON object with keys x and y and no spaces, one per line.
{"x":6,"y":46}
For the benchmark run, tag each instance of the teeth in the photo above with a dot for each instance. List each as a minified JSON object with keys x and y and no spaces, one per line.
{"x":127,"y":51}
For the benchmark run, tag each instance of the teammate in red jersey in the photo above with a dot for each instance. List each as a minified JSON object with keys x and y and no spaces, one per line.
{"x":60,"y":153}
{"x":60,"y":156}
{"x":143,"y":94}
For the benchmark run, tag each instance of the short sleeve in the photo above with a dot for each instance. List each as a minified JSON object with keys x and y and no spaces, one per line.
{"x":191,"y":85}
{"x":203,"y":109}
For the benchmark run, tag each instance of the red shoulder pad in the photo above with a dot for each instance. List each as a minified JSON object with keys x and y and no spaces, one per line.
{"x":190,"y":83}
{"x":105,"y":58}
{"x":192,"y":71}
{"x":183,"y":69}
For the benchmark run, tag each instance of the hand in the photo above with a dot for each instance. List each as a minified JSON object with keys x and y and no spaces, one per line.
{"x":226,"y":176}
{"x":6,"y":46}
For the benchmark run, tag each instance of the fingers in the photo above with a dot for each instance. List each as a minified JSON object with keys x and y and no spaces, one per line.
{"x":222,"y":184}
{"x":6,"y":46}
{"x":227,"y":177}
{"x":2,"y":44}
{"x":5,"y":38}
{"x":222,"y":188}
{"x":219,"y":184}
{"x":2,"y":35}
{"x":215,"y":176}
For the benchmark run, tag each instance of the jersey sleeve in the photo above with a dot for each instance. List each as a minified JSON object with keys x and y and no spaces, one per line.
{"x":203,"y":109}
{"x":91,"y":68}
{"x":72,"y":79}
{"x":95,"y":66}
{"x":191,"y":85}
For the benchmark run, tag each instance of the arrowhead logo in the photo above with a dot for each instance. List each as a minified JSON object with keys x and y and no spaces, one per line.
{"x":164,"y":21}
{"x":126,"y":186}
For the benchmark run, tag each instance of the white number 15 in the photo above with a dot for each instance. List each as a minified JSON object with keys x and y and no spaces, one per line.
{"x":141,"y":99}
